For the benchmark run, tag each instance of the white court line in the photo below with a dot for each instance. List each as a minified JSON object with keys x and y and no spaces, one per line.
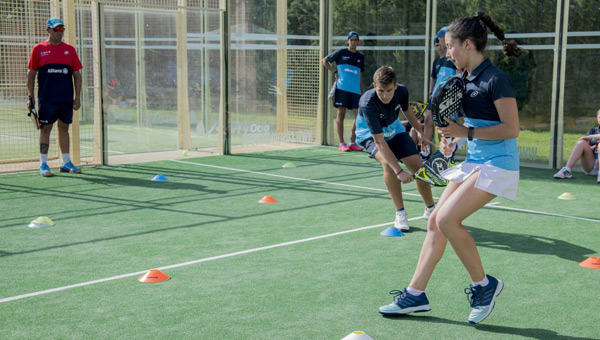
{"x":218,"y":257}
{"x":495,"y":205}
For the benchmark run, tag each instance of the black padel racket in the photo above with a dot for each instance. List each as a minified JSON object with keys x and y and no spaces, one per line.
{"x":431,"y":172}
{"x":446,"y":101}
{"x":33,"y":114}
{"x":418,"y":108}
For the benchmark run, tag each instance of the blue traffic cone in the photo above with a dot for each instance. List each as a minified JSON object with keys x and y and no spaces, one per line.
{"x":392,"y":232}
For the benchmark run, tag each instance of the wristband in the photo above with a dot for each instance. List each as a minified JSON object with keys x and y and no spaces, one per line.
{"x":470,"y":133}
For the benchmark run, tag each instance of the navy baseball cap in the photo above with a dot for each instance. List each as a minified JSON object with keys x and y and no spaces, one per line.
{"x":441,"y":33}
{"x":53,"y":22}
{"x":351,"y":33}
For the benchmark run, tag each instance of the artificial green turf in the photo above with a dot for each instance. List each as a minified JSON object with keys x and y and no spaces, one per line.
{"x":114,"y":220}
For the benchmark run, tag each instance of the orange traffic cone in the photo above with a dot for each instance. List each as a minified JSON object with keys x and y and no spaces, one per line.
{"x":267,"y":199}
{"x":591,"y":262}
{"x":154,"y":275}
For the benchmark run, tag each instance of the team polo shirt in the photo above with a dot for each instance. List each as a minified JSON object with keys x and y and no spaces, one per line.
{"x":349,"y":66}
{"x":485,"y":85}
{"x":376,"y":117}
{"x":594,"y":131}
{"x":442,"y":69}
{"x":55,"y":65}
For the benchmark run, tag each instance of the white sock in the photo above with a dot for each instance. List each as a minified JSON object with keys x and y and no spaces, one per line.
{"x":66,"y":158}
{"x":414,"y":291}
{"x":43,"y":158}
{"x":482,"y":283}
{"x":569,"y":169}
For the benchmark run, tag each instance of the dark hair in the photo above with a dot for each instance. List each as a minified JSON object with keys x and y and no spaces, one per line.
{"x":385,"y":75}
{"x":475,"y":29}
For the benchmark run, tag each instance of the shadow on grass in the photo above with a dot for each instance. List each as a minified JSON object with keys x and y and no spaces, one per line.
{"x":533,"y":333}
{"x":529,"y":244}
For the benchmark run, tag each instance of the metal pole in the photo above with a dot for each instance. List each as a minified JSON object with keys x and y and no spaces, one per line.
{"x":224,"y":133}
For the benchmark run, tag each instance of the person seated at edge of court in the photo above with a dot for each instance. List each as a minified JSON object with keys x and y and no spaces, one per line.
{"x":586,"y":152}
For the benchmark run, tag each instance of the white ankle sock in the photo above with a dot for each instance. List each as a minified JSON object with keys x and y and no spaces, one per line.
{"x":43,"y":158}
{"x":66,"y":158}
{"x":482,"y":283}
{"x":414,"y":291}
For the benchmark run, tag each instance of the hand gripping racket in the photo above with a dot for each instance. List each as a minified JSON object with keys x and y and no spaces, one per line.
{"x":431,"y":172}
{"x":418,"y":108}
{"x":33,"y":114}
{"x":446,"y":101}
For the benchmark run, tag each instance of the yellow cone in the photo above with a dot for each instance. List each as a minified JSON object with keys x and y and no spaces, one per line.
{"x":357,"y":335}
{"x":41,"y":222}
{"x":566,"y":196}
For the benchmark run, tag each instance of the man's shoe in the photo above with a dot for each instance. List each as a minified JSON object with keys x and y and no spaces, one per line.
{"x":69,"y":167}
{"x":354,"y":147}
{"x":563,"y":173}
{"x":45,"y":170}
{"x":483,"y":299}
{"x":428,"y":212}
{"x":344,"y":147}
{"x":405,"y":303}
{"x":401,"y":221}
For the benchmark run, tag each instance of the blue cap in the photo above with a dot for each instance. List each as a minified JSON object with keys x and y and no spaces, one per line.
{"x":351,"y":33}
{"x":441,"y":33}
{"x":53,"y":22}
{"x":436,"y":40}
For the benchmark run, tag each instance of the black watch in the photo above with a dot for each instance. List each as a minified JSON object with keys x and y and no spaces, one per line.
{"x":470,"y":133}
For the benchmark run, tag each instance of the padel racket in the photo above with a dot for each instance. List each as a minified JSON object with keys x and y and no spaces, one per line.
{"x":332,"y":91}
{"x":418,"y":108}
{"x":431,"y":172}
{"x":446,"y":101}
{"x":33,"y":114}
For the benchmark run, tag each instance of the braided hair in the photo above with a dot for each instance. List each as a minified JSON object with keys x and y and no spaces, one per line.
{"x":475,"y":28}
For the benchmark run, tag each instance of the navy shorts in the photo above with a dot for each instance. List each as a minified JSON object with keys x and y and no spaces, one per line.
{"x":50,"y":112}
{"x":401,"y":145}
{"x":346,"y":99}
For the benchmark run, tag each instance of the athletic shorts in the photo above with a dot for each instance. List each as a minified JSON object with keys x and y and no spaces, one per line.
{"x":346,"y":99}
{"x":401,"y":145}
{"x":594,"y":171}
{"x":496,"y":181}
{"x":50,"y":112}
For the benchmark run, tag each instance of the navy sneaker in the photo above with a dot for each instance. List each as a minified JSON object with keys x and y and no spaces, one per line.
{"x":69,"y":167}
{"x":405,"y":303}
{"x":482,"y":299}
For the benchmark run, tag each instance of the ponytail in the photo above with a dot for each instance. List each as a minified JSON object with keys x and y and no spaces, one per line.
{"x":509,"y":48}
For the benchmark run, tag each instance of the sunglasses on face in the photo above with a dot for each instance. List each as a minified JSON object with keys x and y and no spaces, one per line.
{"x":59,"y":29}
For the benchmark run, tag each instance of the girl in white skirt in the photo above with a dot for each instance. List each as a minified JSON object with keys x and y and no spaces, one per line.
{"x":491,"y":168}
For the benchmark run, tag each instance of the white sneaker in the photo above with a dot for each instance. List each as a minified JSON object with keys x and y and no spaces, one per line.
{"x":563,"y":173}
{"x":401,"y":221}
{"x":598,"y":177}
{"x":428,"y":212}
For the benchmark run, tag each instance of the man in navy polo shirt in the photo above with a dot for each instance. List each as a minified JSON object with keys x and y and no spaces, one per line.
{"x":380,"y":132}
{"x":442,"y":68}
{"x":57,"y":66}
{"x":350,"y":66}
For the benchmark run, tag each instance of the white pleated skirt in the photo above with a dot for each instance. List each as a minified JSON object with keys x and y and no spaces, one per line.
{"x":491,"y":179}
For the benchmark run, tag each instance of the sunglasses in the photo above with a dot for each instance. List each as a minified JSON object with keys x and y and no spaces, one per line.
{"x":59,"y":29}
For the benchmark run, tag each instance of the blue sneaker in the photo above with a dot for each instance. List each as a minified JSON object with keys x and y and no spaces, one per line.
{"x":483,"y":299}
{"x":45,"y":170}
{"x":405,"y":303}
{"x":69,"y":167}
